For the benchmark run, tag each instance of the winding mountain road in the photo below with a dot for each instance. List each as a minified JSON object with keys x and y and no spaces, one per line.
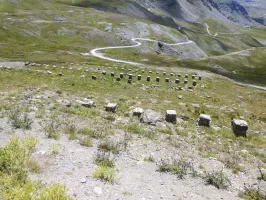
{"x":96,"y":52}
{"x":208,"y":31}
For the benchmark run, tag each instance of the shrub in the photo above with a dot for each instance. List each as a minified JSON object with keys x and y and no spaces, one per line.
{"x":15,"y":157}
{"x":104,"y":159}
{"x":71,"y":131}
{"x":105,"y":173}
{"x":56,"y":191}
{"x":149,"y":159}
{"x":86,"y":141}
{"x":51,"y":129}
{"x":217,"y":179}
{"x":109,"y":146}
{"x":14,"y":183}
{"x":55,"y":149}
{"x":252,"y":194}
{"x":19,"y":120}
{"x":180,"y":167}
{"x":85,"y":131}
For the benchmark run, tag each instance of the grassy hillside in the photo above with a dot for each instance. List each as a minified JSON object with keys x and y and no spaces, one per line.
{"x":58,"y":31}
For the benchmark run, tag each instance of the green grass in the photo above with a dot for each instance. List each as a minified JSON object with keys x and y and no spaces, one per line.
{"x":105,"y":173}
{"x":15,"y":162}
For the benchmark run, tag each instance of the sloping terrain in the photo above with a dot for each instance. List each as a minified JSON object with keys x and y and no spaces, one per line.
{"x":108,"y":100}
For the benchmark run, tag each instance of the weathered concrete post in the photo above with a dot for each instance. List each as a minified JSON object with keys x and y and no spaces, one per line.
{"x":112,"y":74}
{"x":167,"y":80}
{"x":94,"y":77}
{"x":139,"y":77}
{"x":185,"y":81}
{"x":104,"y":72}
{"x":157,"y":79}
{"x":170,"y":116}
{"x":239,"y":127}
{"x":164,"y":73}
{"x":204,"y":120}
{"x":130,"y":76}
{"x":111,"y":107}
{"x":177,"y":81}
{"x":194,"y":83}
{"x":121,"y":75}
{"x":148,"y":78}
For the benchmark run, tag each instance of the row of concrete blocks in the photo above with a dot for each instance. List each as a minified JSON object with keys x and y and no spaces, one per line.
{"x":164,"y":73}
{"x":239,"y":127}
{"x":148,"y":78}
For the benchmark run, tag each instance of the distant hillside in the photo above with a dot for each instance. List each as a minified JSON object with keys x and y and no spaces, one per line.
{"x":256,"y":9}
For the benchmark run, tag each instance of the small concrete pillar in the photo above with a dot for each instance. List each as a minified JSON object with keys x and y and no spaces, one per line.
{"x":123,"y":69}
{"x":186,"y":76}
{"x":167,"y":80}
{"x":179,"y":75}
{"x":150,"y":72}
{"x":193,"y":76}
{"x":157,"y":79}
{"x":194,"y":83}
{"x":94,"y":77}
{"x":137,"y":112}
{"x":121,"y":75}
{"x":204,"y":120}
{"x":129,"y":81}
{"x":177,"y":81}
{"x":185,"y":81}
{"x":129,"y":70}
{"x":130,"y":76}
{"x":172,"y":74}
{"x":170,"y":116}
{"x":148,"y":78}
{"x":104,"y":72}
{"x":190,"y":87}
{"x":118,"y":79}
{"x":157,"y":72}
{"x":200,"y":78}
{"x":239,"y":127}
{"x":111,"y":107}
{"x":139,"y":77}
{"x":143,"y":71}
{"x":164,"y":73}
{"x":112,"y":74}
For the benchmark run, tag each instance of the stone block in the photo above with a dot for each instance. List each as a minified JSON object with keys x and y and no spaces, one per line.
{"x":204,"y":120}
{"x":170,"y":116}
{"x":111,"y":107}
{"x":239,"y":127}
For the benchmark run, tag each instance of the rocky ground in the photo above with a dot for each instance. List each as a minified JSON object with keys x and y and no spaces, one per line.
{"x":71,"y":135}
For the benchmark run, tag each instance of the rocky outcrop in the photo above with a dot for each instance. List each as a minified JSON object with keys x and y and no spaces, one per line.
{"x":150,"y":117}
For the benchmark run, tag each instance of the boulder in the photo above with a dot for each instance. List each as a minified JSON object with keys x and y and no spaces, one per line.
{"x":138,"y":112}
{"x":239,"y":127}
{"x":170,"y":116}
{"x":111,"y":107}
{"x":150,"y":117}
{"x":87,"y":103}
{"x":204,"y":120}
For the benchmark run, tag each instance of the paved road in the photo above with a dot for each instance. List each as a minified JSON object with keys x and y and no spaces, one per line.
{"x":96,"y":52}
